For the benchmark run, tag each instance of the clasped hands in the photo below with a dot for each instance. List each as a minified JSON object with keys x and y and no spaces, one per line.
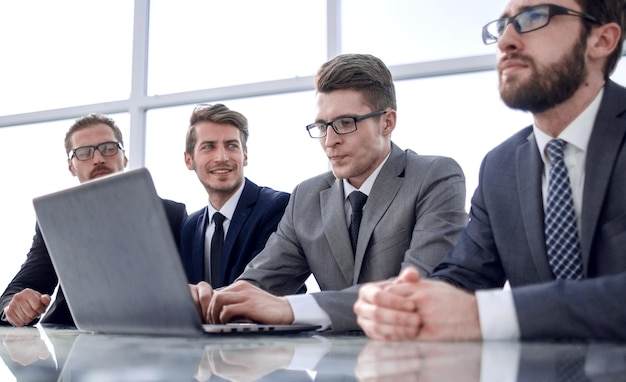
{"x":409,"y":307}
{"x":240,"y":301}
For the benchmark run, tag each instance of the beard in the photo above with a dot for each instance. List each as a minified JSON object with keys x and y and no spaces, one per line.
{"x":548,"y":86}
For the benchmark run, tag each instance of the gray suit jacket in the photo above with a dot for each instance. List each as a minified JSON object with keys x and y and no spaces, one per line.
{"x":505,"y":237}
{"x":413,"y":216}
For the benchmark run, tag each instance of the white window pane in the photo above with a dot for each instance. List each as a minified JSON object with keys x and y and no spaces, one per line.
{"x":405,"y":31}
{"x":64,"y":53}
{"x":459,"y":116}
{"x":197,"y":44}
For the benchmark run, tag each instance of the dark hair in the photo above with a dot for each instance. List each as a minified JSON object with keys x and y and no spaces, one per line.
{"x":88,"y":121}
{"x":217,"y":113}
{"x":361,"y":72}
{"x":608,"y":11}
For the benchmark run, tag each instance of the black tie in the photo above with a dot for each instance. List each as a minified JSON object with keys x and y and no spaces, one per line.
{"x":357,"y":201}
{"x":217,"y":242}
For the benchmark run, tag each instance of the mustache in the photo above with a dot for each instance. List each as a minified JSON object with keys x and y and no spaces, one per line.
{"x":514,"y":56}
{"x":99,"y":168}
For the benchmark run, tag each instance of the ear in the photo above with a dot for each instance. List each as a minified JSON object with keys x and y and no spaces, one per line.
{"x":70,"y":167}
{"x":603,"y":40}
{"x":389,"y":119}
{"x":245,"y":157}
{"x":189,"y":161}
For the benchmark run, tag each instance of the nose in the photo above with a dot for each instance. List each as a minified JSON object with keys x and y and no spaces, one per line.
{"x":331,"y":138}
{"x":509,"y":39}
{"x":221,"y":154}
{"x":98,"y":157}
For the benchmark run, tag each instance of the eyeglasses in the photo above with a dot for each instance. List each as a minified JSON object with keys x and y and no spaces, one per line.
{"x":107,"y":149}
{"x":343,"y":125}
{"x":529,"y":20}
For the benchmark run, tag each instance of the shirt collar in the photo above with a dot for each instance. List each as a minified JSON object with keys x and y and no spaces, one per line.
{"x":576,"y":133}
{"x":228,"y":209}
{"x":366,"y":187}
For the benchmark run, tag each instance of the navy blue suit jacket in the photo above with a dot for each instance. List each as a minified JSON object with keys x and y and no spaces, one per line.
{"x":38,"y":273}
{"x":505,"y":239}
{"x":257,"y":214}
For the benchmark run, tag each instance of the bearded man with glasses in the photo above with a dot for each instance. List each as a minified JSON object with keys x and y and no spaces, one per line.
{"x":548,"y":215}
{"x":95,"y":148}
{"x":380,"y":208}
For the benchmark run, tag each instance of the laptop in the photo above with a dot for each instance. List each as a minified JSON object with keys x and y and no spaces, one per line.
{"x":114,"y":253}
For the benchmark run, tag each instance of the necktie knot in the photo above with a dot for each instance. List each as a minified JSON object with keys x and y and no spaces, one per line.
{"x":555,"y":149}
{"x":218,"y":218}
{"x":357,"y":200}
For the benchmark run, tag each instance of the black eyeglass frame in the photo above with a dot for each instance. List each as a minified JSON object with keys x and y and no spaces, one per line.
{"x":324,"y":125}
{"x":552,"y":10}
{"x":93,"y":149}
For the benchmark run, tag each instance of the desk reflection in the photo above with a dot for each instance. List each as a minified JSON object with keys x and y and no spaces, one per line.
{"x":491,"y":361}
{"x":262,"y":359}
{"x":32,"y":355}
{"x":67,"y":355}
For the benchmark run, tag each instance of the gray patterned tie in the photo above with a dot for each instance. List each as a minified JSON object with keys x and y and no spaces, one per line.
{"x":562,"y":241}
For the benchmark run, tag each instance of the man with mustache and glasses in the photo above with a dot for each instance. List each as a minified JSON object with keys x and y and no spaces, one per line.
{"x":379,"y":209}
{"x":548,"y":215}
{"x":95,"y":148}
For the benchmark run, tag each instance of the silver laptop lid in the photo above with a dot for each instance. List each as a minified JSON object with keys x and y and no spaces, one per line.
{"x":113,"y":250}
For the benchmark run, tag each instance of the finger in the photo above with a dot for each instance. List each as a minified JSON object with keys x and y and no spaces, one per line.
{"x":372,"y":294}
{"x":45,"y":302}
{"x":20,"y":315}
{"x":205,"y":295}
{"x":408,"y":275}
{"x":214,"y":309}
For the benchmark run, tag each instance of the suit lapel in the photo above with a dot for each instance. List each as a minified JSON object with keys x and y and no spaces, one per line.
{"x":336,"y":228}
{"x":383,"y":194}
{"x":604,"y":147}
{"x":529,"y":173}
{"x":246,"y":202}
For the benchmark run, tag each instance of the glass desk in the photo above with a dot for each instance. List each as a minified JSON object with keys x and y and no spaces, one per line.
{"x":38,"y":354}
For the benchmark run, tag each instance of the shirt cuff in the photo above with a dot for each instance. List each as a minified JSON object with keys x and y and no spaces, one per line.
{"x":307,"y":311}
{"x":497,"y":315}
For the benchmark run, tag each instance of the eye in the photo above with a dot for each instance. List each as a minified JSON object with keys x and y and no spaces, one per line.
{"x":109,"y":148}
{"x":532,"y":19}
{"x":345,"y":122}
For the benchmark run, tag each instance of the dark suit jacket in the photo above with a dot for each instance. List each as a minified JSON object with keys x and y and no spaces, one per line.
{"x":505,"y":236}
{"x":256,"y":216}
{"x":38,"y":273}
{"x":413,"y":215}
